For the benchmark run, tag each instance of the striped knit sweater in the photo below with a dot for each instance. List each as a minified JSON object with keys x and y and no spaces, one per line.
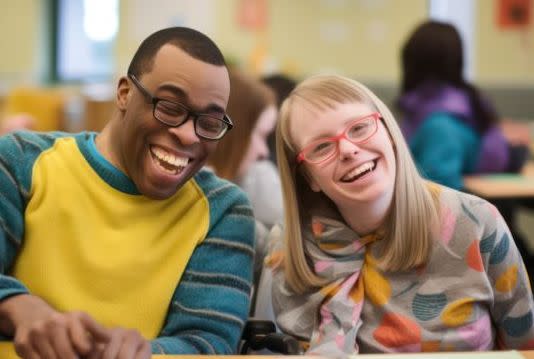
{"x":76,"y":232}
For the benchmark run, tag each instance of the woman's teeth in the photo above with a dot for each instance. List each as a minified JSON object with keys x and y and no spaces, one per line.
{"x":359,"y":171}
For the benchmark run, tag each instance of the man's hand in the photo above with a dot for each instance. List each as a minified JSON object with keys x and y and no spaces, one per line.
{"x":59,"y":335}
{"x":123,"y":344}
{"x":40,"y":332}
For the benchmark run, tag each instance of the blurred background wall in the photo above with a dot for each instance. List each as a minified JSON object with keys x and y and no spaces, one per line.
{"x":358,"y":38}
{"x":21,"y":43}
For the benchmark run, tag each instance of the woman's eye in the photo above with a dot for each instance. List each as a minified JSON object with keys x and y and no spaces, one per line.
{"x":321,"y":147}
{"x":358,"y":129}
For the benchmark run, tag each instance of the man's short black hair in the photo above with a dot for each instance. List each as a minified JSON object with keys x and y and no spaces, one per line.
{"x":193,"y":42}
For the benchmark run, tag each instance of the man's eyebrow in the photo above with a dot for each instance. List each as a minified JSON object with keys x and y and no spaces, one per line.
{"x":213,"y":108}
{"x":183,"y":96}
{"x":177,"y":91}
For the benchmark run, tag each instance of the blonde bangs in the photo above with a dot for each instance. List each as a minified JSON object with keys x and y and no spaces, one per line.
{"x":325,"y":95}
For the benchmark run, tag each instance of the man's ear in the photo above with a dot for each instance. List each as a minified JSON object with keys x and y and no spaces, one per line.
{"x":311,"y":182}
{"x":123,"y":93}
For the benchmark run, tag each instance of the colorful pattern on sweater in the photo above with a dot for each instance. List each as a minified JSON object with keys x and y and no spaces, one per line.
{"x":473,"y":294}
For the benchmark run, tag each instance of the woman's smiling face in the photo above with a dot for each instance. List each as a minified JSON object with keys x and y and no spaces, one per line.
{"x":357,"y":174}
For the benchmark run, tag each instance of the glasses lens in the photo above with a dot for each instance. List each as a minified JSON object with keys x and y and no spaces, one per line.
{"x":170,"y":113}
{"x":210,"y":127}
{"x":361,"y":129}
{"x":319,"y":151}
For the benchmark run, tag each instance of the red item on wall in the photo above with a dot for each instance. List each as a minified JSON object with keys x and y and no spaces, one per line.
{"x":514,"y":14}
{"x":252,"y":14}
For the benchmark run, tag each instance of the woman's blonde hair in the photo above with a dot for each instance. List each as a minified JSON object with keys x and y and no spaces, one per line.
{"x":413,"y":215}
{"x":249,"y":97}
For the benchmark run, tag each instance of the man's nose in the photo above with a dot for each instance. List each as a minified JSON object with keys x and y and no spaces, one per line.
{"x":186,"y":132}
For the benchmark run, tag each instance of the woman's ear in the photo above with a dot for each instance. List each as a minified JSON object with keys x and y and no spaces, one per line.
{"x":309,"y":179}
{"x":123,"y":93}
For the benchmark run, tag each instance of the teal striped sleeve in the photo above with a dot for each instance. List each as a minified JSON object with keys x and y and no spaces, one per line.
{"x":211,"y":303}
{"x":18,"y":152}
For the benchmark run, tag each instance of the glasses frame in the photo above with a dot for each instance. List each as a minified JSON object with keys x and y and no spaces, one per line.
{"x":189,"y":114}
{"x":343,"y":135}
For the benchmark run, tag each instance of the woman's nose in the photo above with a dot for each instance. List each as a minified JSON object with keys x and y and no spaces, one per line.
{"x":347,"y":149}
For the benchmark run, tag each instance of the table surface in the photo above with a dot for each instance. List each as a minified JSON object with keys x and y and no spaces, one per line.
{"x":452,"y":355}
{"x":7,"y":352}
{"x":505,"y":185}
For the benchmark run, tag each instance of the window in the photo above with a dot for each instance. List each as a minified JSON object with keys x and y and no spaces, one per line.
{"x":460,"y":13}
{"x":85,"y":38}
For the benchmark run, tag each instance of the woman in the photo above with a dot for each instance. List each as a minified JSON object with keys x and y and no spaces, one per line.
{"x":451,"y":129}
{"x":374,"y":258}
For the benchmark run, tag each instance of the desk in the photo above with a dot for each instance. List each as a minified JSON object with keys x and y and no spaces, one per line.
{"x":498,"y":186}
{"x":452,"y":355}
{"x":7,"y":352}
{"x":448,"y":355}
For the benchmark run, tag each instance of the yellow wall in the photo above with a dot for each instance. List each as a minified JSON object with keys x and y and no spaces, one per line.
{"x":20,"y":25}
{"x":356,"y":38}
{"x":502,"y":56}
{"x":126,"y":45}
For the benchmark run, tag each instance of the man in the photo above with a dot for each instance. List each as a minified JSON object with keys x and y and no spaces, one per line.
{"x":117,"y":245}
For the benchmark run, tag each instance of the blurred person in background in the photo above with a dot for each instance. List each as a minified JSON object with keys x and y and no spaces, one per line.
{"x":252,"y":107}
{"x":451,"y":128}
{"x":282,"y":85}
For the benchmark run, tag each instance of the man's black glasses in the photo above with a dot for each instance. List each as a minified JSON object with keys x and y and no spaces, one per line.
{"x":174,"y":114}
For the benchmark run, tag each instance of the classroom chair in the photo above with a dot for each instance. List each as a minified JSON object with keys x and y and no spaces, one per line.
{"x":260,"y":335}
{"x":46,"y":105}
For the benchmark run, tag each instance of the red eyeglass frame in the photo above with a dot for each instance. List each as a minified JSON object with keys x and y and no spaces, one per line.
{"x":377,"y":116}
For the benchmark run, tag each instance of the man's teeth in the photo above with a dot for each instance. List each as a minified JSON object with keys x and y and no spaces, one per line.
{"x":170,"y":158}
{"x":367,"y":166}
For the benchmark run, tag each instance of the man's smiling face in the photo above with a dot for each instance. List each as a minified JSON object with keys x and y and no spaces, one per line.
{"x":159,"y":159}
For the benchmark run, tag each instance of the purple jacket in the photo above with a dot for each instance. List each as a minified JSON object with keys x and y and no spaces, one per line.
{"x":431,"y":97}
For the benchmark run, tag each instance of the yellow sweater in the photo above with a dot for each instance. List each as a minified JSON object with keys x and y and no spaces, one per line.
{"x":122,"y":240}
